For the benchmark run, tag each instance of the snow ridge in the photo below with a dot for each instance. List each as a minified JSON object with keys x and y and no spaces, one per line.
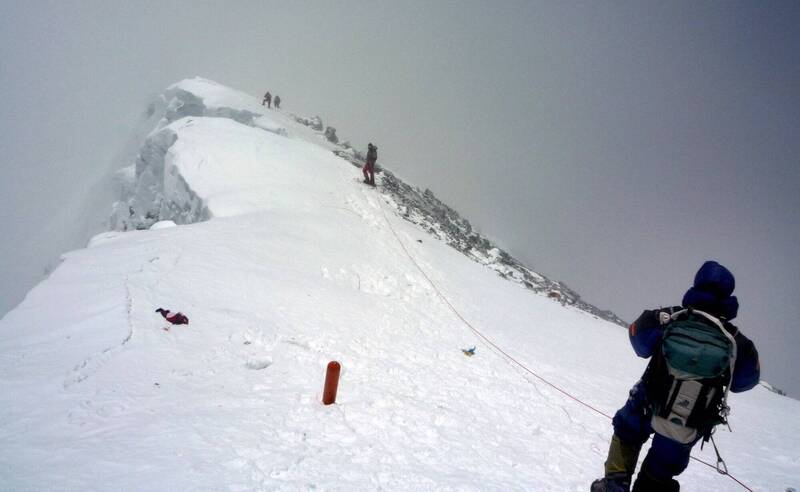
{"x":446,"y":224}
{"x":299,"y":264}
{"x":154,"y":199}
{"x":441,"y":221}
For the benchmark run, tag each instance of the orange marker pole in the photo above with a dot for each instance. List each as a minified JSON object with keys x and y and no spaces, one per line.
{"x":331,"y":383}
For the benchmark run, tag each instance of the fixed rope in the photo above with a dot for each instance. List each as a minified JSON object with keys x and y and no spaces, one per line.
{"x":503,"y":352}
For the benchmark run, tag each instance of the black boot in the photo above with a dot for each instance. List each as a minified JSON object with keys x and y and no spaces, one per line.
{"x":615,"y":482}
{"x":647,"y":483}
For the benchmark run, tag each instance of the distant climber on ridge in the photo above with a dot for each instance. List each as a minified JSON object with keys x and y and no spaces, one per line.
{"x":277,"y":101}
{"x":369,"y":165}
{"x":696,"y":357}
{"x":267,"y":100}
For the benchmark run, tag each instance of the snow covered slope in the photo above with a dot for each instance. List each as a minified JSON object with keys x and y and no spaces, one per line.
{"x":283,"y":261}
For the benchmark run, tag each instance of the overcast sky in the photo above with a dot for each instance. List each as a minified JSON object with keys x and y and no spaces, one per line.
{"x":611,"y":145}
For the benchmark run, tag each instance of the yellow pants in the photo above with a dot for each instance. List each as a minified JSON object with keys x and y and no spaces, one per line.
{"x":622,"y":457}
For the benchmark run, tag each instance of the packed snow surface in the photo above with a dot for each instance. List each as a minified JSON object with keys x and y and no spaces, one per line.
{"x":295,"y":263}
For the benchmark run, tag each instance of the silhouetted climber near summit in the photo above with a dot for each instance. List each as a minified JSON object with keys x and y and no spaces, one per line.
{"x":267,"y":100}
{"x":369,"y":165}
{"x":277,"y":101}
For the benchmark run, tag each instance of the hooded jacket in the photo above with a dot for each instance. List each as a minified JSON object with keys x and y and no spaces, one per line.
{"x":711,"y":292}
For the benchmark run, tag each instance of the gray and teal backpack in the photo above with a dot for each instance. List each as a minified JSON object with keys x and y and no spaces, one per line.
{"x":689,"y":379}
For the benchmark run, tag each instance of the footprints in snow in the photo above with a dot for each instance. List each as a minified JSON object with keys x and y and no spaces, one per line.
{"x":258,"y":363}
{"x":370,"y":279}
{"x":368,"y":209}
{"x":255,"y":347}
{"x":257,"y":351}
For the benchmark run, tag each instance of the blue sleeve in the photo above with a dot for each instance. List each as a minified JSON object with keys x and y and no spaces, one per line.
{"x":747,"y":371}
{"x":645,"y":333}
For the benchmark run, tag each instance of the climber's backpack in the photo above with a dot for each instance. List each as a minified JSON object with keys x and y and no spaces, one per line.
{"x":693,"y":371}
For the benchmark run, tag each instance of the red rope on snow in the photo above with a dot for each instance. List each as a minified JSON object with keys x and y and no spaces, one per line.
{"x":509,"y":357}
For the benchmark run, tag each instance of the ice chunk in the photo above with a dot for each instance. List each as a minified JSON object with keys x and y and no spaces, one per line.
{"x":162,"y":224}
